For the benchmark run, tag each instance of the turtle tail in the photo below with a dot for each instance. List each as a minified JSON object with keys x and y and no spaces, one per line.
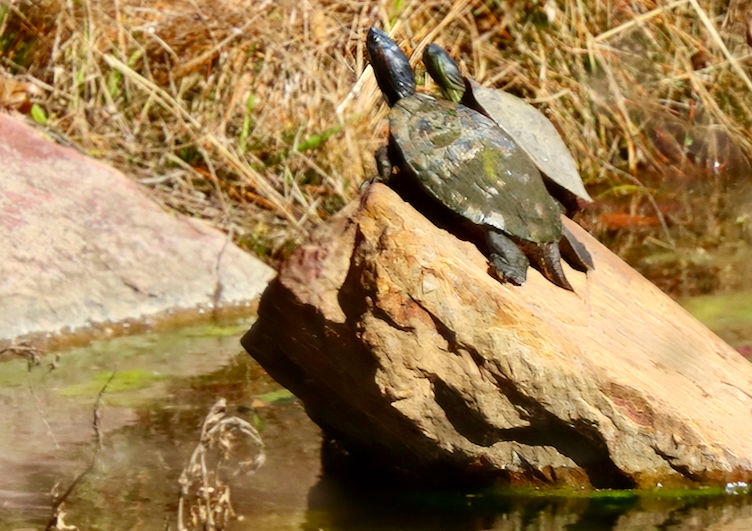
{"x":574,"y":252}
{"x":547,"y":259}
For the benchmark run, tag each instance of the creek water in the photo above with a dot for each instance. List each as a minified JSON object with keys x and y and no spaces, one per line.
{"x":151,"y":414}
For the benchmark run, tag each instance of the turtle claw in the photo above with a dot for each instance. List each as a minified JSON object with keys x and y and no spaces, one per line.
{"x":508,"y":262}
{"x":506,"y":272}
{"x":547,"y":259}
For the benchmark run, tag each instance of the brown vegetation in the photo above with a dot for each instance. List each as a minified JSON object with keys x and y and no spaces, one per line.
{"x":261,"y":116}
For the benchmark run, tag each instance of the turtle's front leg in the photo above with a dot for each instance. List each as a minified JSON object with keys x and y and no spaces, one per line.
{"x":383,"y":164}
{"x":508,"y":262}
{"x":383,"y":168}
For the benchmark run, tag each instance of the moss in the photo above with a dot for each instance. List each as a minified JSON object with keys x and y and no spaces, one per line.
{"x":129,"y":380}
{"x":280,"y":395}
{"x":722,"y":310}
{"x":610,"y":494}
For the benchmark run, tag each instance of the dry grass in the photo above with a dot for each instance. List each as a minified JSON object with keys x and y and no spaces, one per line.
{"x":229,"y":447}
{"x":261,"y":117}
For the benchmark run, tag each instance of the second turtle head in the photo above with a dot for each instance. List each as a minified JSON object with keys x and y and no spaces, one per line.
{"x":443,"y":70}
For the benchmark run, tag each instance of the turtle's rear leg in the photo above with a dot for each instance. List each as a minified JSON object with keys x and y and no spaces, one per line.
{"x":508,"y":262}
{"x":547,"y":259}
{"x":574,"y":252}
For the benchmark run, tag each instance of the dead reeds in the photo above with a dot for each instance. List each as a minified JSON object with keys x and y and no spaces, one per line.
{"x":229,"y":446}
{"x":261,"y":117}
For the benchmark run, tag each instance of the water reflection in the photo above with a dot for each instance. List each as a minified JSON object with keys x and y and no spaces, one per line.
{"x":151,"y":421}
{"x":363,"y":509}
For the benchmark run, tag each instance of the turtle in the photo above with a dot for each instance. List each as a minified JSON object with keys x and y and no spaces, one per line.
{"x":464,"y":163}
{"x":528,"y":126}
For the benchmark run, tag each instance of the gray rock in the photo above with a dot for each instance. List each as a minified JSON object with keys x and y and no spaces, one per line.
{"x":83,"y":245}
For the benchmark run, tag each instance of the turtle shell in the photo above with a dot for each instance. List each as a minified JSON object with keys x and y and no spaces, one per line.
{"x":466,"y":162}
{"x":532,"y":131}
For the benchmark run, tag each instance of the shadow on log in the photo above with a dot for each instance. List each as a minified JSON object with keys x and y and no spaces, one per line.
{"x":416,"y":362}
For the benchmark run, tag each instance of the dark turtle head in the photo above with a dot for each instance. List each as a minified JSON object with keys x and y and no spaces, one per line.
{"x":444,"y":72}
{"x":391,"y":67}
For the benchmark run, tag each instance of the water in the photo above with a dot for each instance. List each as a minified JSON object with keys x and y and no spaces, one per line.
{"x":151,"y":417}
{"x":728,"y":314}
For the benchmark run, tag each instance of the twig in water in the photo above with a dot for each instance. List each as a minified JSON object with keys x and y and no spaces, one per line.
{"x":56,"y":519}
{"x":204,"y":494}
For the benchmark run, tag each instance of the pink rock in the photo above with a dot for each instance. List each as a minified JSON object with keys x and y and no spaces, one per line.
{"x":82,"y":244}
